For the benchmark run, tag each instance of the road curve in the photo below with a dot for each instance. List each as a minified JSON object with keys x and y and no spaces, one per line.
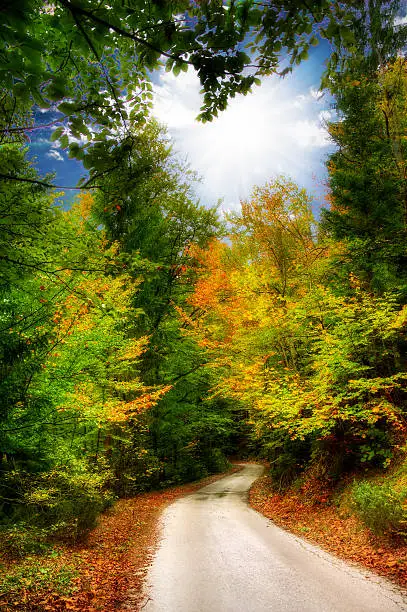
{"x":219,"y":555}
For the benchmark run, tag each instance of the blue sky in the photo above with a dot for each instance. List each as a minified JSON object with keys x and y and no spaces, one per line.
{"x":279,"y":128}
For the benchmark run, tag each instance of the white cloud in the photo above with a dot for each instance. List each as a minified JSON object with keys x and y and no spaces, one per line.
{"x":324,"y":116}
{"x":274,"y":130}
{"x":308,"y":135}
{"x":400,"y":20}
{"x":55,"y":154}
{"x":317,"y":94}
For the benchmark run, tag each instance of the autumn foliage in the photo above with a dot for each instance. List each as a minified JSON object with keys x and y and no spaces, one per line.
{"x":101,"y":396}
{"x":143,"y":339}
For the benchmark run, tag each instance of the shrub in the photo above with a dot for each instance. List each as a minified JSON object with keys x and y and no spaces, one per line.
{"x":189,"y":468}
{"x":19,"y":540}
{"x":62,"y":502}
{"x":215,"y":461}
{"x":68,"y":503}
{"x":136,"y":471}
{"x":380,"y":507}
{"x":288,"y":458}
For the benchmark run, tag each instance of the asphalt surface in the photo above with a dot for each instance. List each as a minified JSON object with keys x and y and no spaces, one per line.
{"x":218,"y":555}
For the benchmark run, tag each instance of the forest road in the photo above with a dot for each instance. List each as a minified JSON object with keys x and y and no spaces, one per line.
{"x":218,"y":555}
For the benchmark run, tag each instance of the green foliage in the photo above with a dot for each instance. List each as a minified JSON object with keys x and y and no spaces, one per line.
{"x":72,"y":400}
{"x":35,"y":576}
{"x":380,"y":507}
{"x":68,"y":500}
{"x":20,"y":539}
{"x":367,"y":176}
{"x":91,"y":341}
{"x":133,"y":342}
{"x":69,"y":55}
{"x":62,"y":502}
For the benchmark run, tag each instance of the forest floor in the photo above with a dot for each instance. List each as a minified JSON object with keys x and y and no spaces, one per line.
{"x":103,"y":573}
{"x":314,"y":515}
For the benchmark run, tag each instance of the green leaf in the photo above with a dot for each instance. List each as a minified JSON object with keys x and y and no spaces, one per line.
{"x":64,"y":140}
{"x":56,"y":134}
{"x":332,"y":30}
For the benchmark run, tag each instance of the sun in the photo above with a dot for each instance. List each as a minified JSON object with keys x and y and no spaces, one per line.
{"x":272,"y":131}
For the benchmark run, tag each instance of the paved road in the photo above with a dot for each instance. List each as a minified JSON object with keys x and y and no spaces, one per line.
{"x":219,"y":555}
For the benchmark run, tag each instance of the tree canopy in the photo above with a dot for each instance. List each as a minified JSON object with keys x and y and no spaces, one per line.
{"x":145,"y":337}
{"x":91,"y":62}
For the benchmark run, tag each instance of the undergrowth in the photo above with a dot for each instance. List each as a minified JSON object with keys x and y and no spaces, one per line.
{"x":380,"y":507}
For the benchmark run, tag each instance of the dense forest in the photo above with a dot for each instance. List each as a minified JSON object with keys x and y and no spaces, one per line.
{"x":145,"y":337}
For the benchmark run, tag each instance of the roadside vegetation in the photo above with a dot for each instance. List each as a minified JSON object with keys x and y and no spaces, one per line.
{"x":104,"y":571}
{"x":144,"y":338}
{"x":362,"y":521}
